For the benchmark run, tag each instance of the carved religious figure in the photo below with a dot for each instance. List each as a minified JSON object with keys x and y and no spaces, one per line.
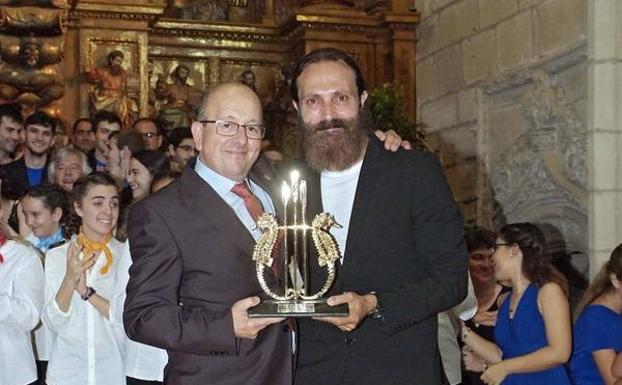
{"x":181,"y":99}
{"x":110,"y":91}
{"x":29,"y":81}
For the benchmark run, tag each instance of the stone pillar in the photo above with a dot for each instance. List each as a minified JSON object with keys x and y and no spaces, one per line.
{"x":604,"y":125}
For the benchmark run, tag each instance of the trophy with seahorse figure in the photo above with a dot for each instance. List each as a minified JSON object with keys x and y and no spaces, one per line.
{"x":293,"y":298}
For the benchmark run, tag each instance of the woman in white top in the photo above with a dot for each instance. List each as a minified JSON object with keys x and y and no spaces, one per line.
{"x":81,"y":276}
{"x":21,"y":298}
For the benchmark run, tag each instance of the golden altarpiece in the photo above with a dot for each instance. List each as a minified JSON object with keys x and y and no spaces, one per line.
{"x":55,"y":53}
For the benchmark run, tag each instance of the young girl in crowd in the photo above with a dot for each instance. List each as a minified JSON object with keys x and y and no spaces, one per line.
{"x":598,"y":329}
{"x":21,"y":299}
{"x":81,"y":277}
{"x":48,"y":219}
{"x":532,"y":333}
{"x":144,"y":167}
{"x":480,"y":243}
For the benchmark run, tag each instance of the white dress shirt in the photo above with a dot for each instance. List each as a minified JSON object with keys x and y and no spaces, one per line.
{"x":142,"y":361}
{"x":88,"y":349}
{"x":448,"y":331}
{"x":223,"y":185}
{"x":21,"y":299}
{"x":42,"y":334}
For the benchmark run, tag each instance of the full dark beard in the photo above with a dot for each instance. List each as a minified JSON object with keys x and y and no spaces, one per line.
{"x":336,"y":150}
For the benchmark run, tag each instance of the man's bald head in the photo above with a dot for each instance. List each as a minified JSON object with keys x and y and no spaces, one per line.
{"x":230,"y":91}
{"x":223,"y":149}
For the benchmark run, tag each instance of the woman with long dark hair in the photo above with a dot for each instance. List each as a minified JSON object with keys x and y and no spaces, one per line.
{"x":598,"y":328}
{"x":532,"y":333}
{"x":81,"y":277}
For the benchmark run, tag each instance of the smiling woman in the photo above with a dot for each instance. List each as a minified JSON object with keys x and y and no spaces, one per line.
{"x":80,"y":281}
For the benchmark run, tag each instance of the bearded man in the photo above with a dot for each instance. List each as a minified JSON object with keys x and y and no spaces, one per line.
{"x":110,"y":91}
{"x":403,"y":258}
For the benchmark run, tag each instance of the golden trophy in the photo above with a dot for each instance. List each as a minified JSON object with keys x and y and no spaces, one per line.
{"x":293,"y":299}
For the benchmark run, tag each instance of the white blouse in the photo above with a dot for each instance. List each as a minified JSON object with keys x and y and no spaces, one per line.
{"x":88,"y":349}
{"x":142,"y":361}
{"x":21,"y":299}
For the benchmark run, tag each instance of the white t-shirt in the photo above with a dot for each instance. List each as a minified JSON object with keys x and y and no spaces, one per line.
{"x":338,"y":191}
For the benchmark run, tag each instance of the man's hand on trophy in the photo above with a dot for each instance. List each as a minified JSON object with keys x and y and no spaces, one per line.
{"x":245,"y":327}
{"x":359,"y":307}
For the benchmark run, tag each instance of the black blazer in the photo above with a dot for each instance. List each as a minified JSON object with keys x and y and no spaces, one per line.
{"x":191,"y":262}
{"x":405,"y":242}
{"x":17,"y":174}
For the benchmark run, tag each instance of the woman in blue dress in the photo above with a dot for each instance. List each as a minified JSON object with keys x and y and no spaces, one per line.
{"x":533,"y":331}
{"x":598,"y":329}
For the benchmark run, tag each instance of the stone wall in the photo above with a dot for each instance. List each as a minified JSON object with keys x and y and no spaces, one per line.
{"x":502,"y":94}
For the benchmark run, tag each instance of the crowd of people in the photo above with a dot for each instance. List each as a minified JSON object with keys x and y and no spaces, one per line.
{"x":125,"y":257}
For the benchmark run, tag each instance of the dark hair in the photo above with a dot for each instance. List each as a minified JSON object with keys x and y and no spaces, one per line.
{"x":53,"y":197}
{"x":96,"y":178}
{"x":602,"y":282}
{"x":42,"y":119}
{"x":178,"y":135}
{"x":132,"y":139}
{"x":114,"y":54}
{"x":479,"y":238}
{"x":536,"y":265}
{"x":156,"y":123}
{"x":75,"y":124}
{"x":326,"y":54}
{"x":11,"y":111}
{"x":154,"y":161}
{"x":169,"y":174}
{"x":105,"y":116}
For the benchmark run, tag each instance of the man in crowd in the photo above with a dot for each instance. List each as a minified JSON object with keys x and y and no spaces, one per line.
{"x":11,"y":124}
{"x":404,"y":260}
{"x":83,"y":137}
{"x":105,"y":125}
{"x":31,"y":169}
{"x":151,"y":133}
{"x":181,"y":147}
{"x":67,"y":166}
{"x":193,"y":239}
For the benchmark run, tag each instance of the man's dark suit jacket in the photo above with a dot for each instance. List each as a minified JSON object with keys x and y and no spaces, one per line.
{"x":191,"y":262}
{"x":405,"y":242}
{"x":17,"y":173}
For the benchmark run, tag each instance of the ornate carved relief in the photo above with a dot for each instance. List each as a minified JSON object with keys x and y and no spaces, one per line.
{"x":32,"y":40}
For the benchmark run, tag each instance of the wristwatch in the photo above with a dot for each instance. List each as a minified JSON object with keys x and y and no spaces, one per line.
{"x":377,"y":312}
{"x":89,"y":292}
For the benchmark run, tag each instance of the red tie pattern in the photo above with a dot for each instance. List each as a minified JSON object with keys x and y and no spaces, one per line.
{"x":252,"y":203}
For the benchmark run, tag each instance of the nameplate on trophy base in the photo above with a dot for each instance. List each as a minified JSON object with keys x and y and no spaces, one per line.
{"x":300,"y":308}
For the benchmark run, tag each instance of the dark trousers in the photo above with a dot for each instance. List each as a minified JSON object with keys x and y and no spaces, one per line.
{"x":42,"y":367}
{"x":136,"y":381}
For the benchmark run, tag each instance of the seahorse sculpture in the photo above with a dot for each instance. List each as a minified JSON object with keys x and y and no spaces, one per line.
{"x":328,"y":252}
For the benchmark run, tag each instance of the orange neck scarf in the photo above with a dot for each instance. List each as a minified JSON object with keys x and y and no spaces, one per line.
{"x":90,"y":246}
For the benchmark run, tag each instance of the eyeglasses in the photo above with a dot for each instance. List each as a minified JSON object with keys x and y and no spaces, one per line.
{"x":186,"y":147}
{"x":149,"y":135}
{"x":496,"y":246}
{"x":227,"y":128}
